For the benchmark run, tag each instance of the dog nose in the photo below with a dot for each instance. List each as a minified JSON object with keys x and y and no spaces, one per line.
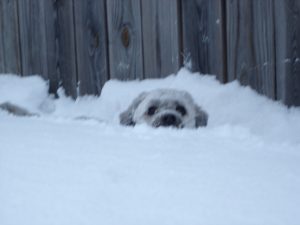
{"x":168,"y":120}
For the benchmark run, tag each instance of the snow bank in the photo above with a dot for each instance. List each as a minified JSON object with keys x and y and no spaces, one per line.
{"x":27,"y":92}
{"x":229,"y":105}
{"x":241,"y":169}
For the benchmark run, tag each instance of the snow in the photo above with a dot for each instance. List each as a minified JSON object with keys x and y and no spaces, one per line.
{"x":243,"y":168}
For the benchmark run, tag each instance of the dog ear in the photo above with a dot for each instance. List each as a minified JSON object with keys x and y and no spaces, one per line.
{"x":126,"y":117}
{"x":201,"y":117}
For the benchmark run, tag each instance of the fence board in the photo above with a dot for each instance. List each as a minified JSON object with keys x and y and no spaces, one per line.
{"x":204,"y":36}
{"x":52,"y":53}
{"x":250,"y":44}
{"x":125,"y":39}
{"x":288,"y":51}
{"x":66,"y":44}
{"x":9,"y":34}
{"x":91,"y":45}
{"x":161,"y":43}
{"x":47,"y":42}
{"x":2,"y":63}
{"x":33,"y":37}
{"x":61,"y":57}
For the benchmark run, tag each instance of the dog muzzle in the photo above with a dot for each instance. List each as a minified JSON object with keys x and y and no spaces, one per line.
{"x":168,"y":120}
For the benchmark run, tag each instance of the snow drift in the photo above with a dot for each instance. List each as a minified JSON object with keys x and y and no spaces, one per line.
{"x":243,"y":168}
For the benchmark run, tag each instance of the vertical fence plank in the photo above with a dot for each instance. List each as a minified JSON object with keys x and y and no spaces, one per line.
{"x":125,"y":39}
{"x":264,"y":45}
{"x":61,"y":53}
{"x":248,"y":40}
{"x":9,"y":37}
{"x":91,"y":45}
{"x":66,"y":46}
{"x":204,"y":36}
{"x":161,"y":42}
{"x":33,"y":37}
{"x":287,"y":35}
{"x":48,"y":42}
{"x":52,"y":45}
{"x":250,"y":44}
{"x":2,"y":62}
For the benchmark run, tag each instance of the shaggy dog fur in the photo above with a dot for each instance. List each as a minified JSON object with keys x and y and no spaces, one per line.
{"x":164,"y":107}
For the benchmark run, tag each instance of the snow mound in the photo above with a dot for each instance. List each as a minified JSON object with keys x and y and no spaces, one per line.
{"x":28,"y":92}
{"x":228,"y":105}
{"x":243,"y":168}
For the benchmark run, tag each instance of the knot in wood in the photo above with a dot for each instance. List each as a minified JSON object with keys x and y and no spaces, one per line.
{"x":125,"y":36}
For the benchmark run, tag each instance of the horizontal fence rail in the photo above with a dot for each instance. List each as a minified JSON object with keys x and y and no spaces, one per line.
{"x":80,"y":44}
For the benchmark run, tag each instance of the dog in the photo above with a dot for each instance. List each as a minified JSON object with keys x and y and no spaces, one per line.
{"x":164,"y":108}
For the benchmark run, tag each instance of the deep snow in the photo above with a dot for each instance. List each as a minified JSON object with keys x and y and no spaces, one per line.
{"x":55,"y":169}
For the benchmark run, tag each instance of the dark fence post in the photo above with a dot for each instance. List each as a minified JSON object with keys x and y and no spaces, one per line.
{"x":287,"y":17}
{"x":65,"y":39}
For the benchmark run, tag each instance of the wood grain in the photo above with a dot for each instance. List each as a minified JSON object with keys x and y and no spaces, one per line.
{"x":2,"y":59}
{"x":125,"y":39}
{"x":61,"y":53}
{"x":91,"y":45}
{"x":33,"y":37}
{"x":251,"y":44}
{"x":66,"y":42}
{"x":10,"y":61}
{"x":88,"y":42}
{"x":48,"y":42}
{"x":161,"y":41}
{"x":287,"y":35}
{"x":204,"y":47}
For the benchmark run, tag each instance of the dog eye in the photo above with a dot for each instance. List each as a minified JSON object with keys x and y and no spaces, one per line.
{"x":152,"y":110}
{"x":181,"y":109}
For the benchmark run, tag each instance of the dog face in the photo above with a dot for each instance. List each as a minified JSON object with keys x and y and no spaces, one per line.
{"x":166,"y":108}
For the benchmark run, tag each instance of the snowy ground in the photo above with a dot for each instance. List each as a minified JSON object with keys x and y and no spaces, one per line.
{"x":244,"y":168}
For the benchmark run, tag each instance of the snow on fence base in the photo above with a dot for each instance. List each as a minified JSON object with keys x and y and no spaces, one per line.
{"x":243,"y":168}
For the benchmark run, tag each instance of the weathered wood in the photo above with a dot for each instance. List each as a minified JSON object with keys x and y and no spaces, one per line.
{"x":66,"y":42}
{"x":52,"y":45}
{"x":61,"y":53}
{"x":9,"y":37}
{"x":287,"y":35}
{"x":33,"y":37}
{"x":250,"y":44}
{"x":161,"y":41}
{"x":91,"y":45}
{"x":204,"y":45}
{"x":48,"y":42}
{"x":125,"y":39}
{"x":2,"y":62}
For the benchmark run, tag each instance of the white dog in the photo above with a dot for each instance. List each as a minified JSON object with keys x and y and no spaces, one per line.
{"x":164,"y":107}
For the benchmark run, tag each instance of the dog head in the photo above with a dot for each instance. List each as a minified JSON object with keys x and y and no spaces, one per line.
{"x":166,"y":108}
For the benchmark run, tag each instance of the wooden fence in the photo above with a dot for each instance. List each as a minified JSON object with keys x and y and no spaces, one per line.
{"x":80,"y":44}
